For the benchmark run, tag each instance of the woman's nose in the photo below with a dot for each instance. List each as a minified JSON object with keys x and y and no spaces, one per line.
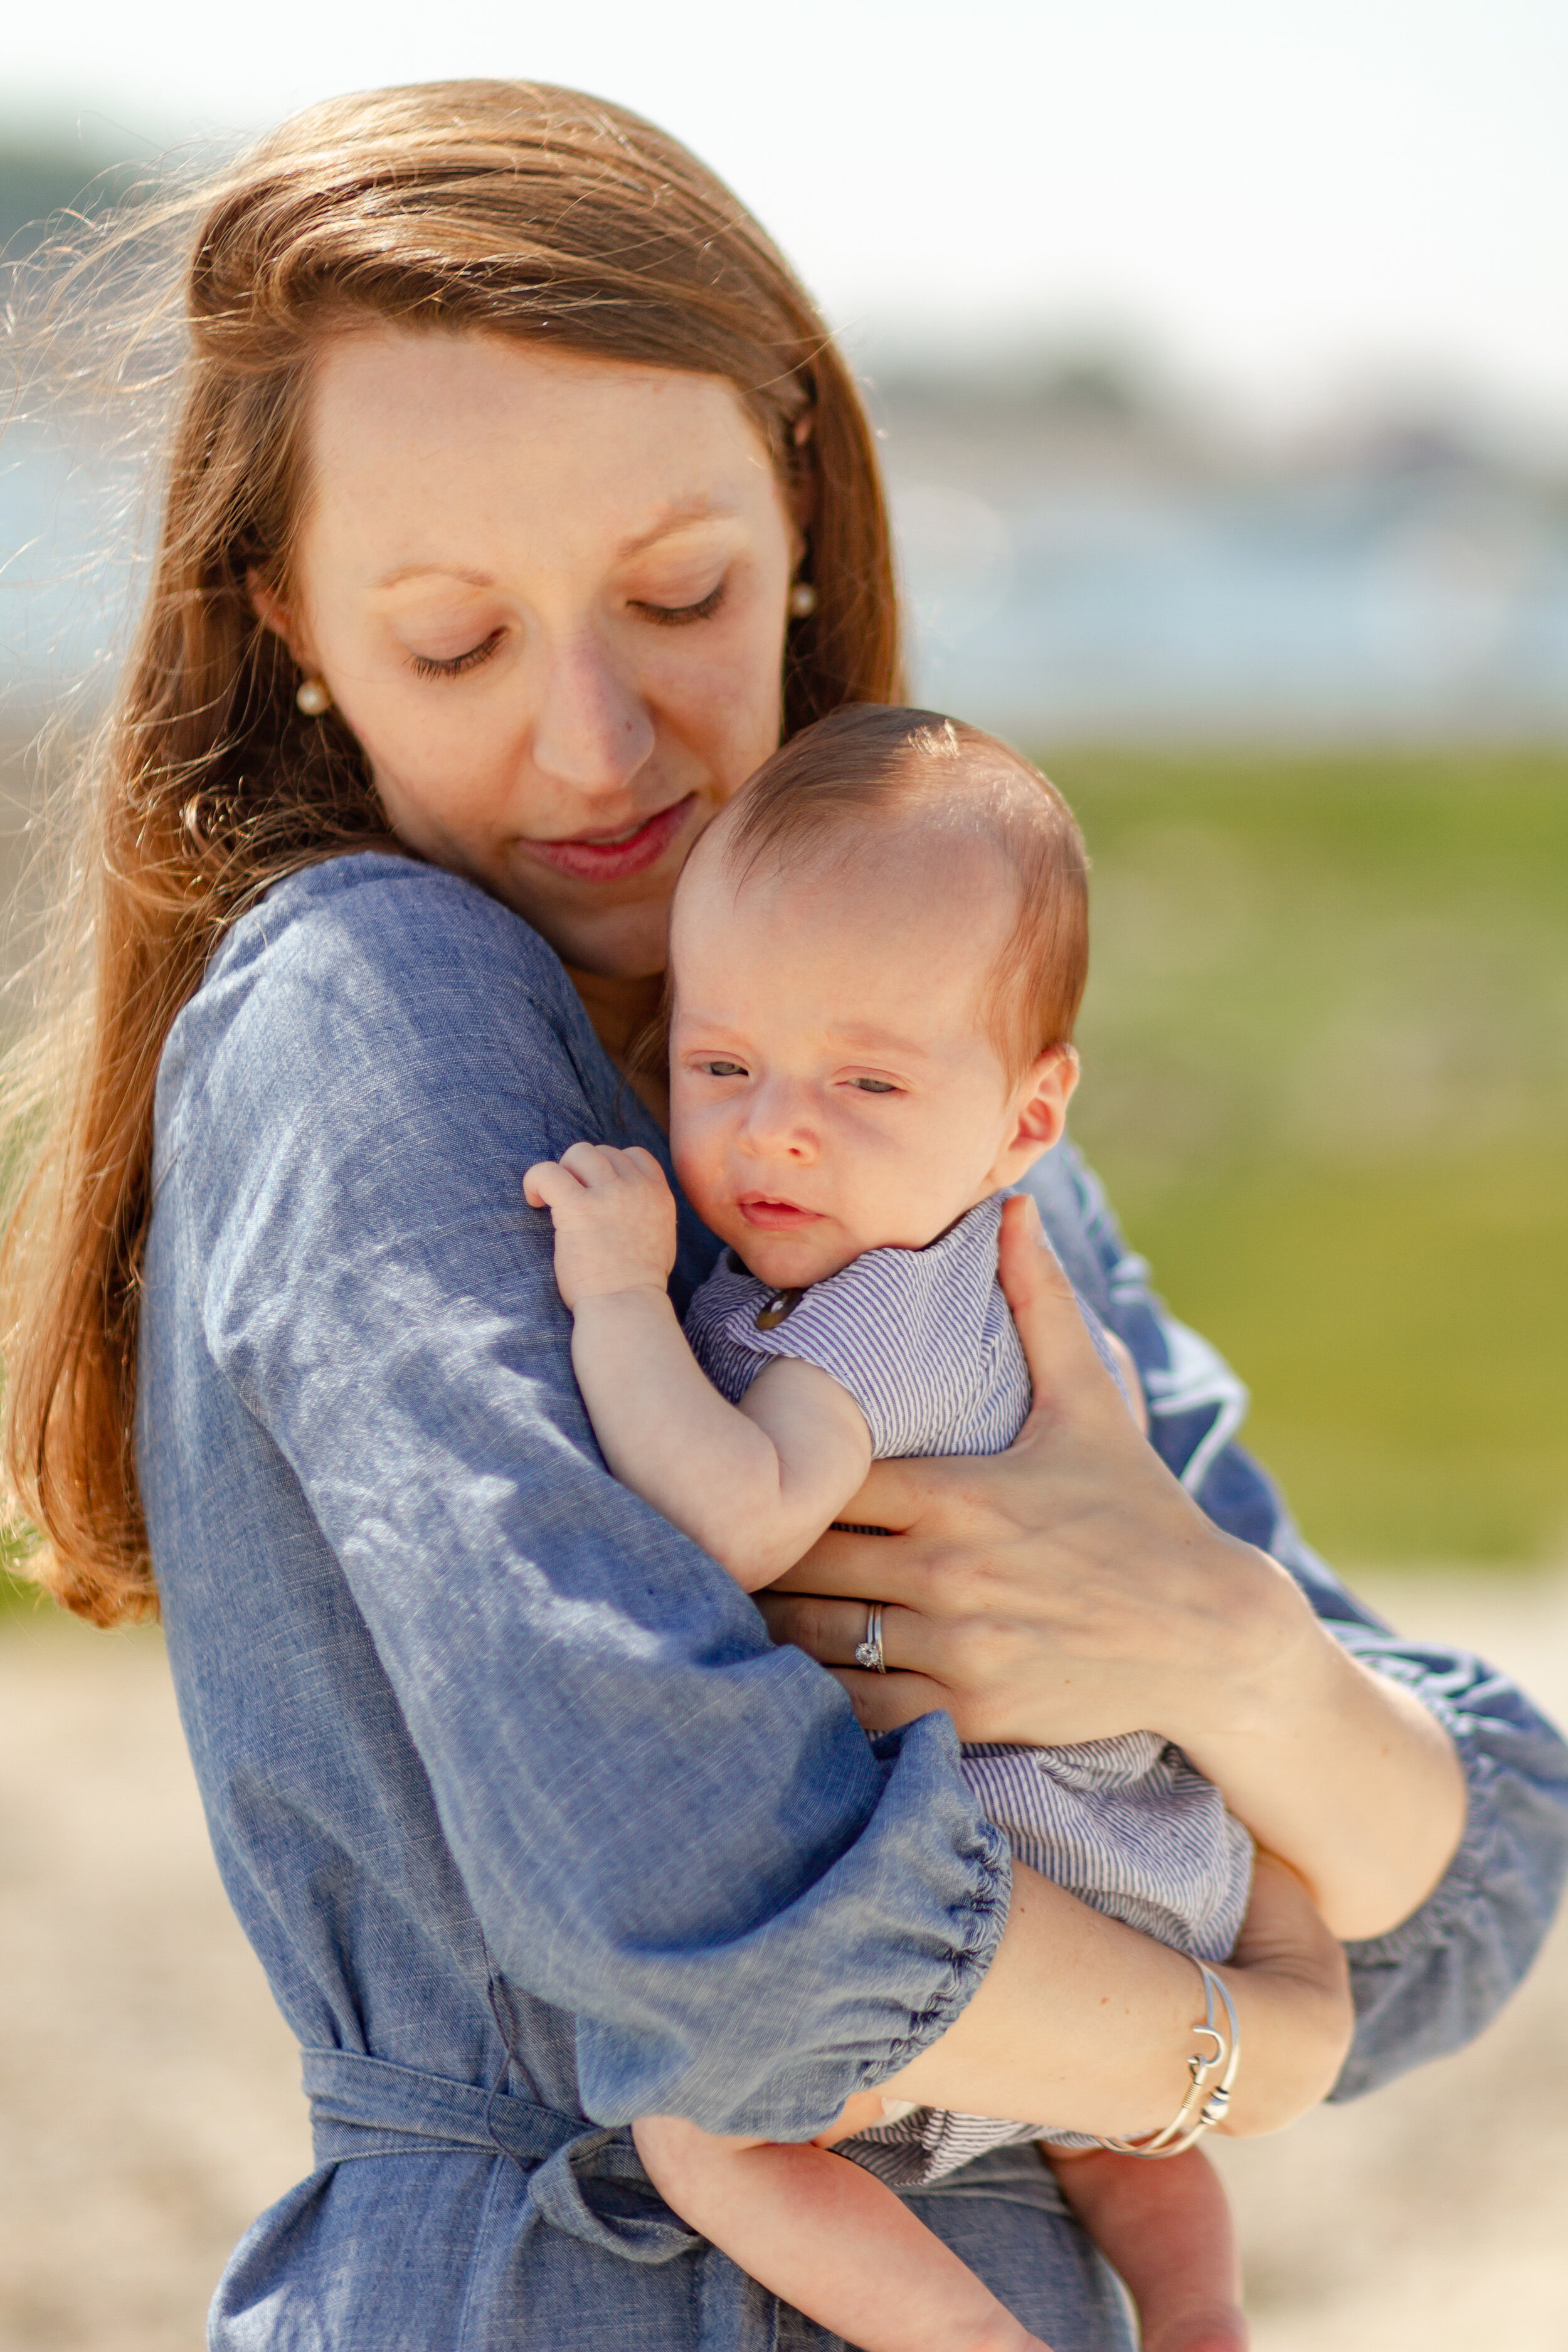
{"x":593,"y":731}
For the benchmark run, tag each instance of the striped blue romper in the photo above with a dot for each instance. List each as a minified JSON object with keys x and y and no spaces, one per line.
{"x":923,"y":1341}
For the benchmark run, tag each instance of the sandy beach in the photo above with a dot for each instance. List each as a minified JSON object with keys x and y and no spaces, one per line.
{"x":151,"y":2105}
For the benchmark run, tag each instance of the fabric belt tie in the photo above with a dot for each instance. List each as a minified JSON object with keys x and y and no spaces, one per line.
{"x":365,"y":2106}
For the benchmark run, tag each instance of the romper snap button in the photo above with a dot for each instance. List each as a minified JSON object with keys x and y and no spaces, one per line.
{"x":783,"y":1303}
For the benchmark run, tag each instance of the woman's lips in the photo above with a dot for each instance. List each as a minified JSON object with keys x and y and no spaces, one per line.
{"x":609,"y":857}
{"x":777,"y":1216}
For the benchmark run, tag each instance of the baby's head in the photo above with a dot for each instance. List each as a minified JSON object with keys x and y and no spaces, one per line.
{"x":877,"y":953}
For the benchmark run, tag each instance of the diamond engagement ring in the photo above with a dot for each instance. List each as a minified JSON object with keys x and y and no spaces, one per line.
{"x":869,"y":1653}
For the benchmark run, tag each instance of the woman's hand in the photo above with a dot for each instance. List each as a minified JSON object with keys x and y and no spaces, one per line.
{"x":1066,"y":1590}
{"x":1070,"y":1589}
{"x":1289,"y":1982}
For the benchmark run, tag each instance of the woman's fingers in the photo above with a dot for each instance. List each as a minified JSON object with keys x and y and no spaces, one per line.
{"x":883,"y":1702}
{"x":896,"y":1499}
{"x":1065,"y":1368}
{"x":1284,"y":1947}
{"x":872,"y":1568}
{"x":831,"y":1630}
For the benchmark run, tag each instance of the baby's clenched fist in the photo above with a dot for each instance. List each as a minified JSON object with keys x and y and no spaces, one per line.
{"x":615,"y":1219}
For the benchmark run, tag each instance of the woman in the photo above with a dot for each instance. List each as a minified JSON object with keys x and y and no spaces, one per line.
{"x":517,"y":500}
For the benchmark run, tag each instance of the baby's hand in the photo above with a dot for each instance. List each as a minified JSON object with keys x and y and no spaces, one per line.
{"x":615,"y":1219}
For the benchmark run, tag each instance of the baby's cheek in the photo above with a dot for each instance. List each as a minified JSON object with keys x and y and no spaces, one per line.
{"x":698,"y":1165}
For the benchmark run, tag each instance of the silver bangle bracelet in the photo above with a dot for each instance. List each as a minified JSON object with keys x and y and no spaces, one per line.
{"x":1204,"y":2105}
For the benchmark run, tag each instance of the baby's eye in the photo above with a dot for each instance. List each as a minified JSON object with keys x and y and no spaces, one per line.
{"x":876,"y":1086}
{"x":716,"y":1069}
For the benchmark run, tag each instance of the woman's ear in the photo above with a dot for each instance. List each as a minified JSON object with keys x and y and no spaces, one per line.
{"x":274,"y":615}
{"x":801,"y":497}
{"x":1041,"y":1113}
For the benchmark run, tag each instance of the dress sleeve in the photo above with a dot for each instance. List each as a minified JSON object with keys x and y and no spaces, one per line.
{"x":666,"y":1826}
{"x":1437,"y":1981}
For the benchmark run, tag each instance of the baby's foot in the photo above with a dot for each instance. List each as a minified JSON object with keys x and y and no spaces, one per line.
{"x":1213,"y":2327}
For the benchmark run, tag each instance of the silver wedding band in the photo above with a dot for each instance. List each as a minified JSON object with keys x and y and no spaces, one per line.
{"x":869,"y":1653}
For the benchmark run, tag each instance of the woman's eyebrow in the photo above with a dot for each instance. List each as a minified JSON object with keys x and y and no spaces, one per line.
{"x":683,"y":517}
{"x":678,"y":518}
{"x":401,"y":572}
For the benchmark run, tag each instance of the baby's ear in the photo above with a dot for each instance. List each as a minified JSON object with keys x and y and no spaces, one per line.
{"x":1043,"y":1096}
{"x":1040,"y":1111}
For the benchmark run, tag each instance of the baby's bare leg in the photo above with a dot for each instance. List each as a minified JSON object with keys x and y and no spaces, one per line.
{"x":1165,"y":2228}
{"x":828,"y":2237}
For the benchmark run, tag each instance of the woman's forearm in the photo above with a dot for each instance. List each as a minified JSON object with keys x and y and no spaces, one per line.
{"x":1340,"y":1771}
{"x":1084,"y":2024}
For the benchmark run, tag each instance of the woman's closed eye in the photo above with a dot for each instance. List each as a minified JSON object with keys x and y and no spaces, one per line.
{"x":680,"y":616}
{"x":428,"y":665}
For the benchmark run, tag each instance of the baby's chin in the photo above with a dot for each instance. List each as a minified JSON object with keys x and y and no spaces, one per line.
{"x":789,"y":1260}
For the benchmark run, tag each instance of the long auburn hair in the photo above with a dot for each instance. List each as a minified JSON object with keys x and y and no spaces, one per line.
{"x":508,"y":207}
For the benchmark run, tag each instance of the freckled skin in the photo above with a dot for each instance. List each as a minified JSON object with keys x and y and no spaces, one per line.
{"x":548,"y":594}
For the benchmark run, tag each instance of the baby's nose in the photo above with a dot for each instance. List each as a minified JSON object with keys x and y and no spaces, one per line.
{"x":777,"y":1125}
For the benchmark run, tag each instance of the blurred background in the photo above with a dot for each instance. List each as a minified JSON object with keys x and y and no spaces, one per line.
{"x":1220,"y":356}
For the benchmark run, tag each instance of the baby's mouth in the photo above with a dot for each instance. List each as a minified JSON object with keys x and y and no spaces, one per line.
{"x":767,"y":1215}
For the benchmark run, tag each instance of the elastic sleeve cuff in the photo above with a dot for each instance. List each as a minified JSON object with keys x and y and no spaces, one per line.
{"x":871,"y":1963}
{"x":1431,"y":1984}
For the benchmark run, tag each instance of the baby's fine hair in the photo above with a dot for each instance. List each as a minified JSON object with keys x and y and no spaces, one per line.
{"x":825,"y":796}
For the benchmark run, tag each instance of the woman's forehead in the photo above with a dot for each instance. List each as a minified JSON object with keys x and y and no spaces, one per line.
{"x":405,"y":426}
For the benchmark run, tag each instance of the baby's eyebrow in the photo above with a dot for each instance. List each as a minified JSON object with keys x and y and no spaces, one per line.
{"x":858,"y":1037}
{"x":702,"y":1032}
{"x":706,"y":1029}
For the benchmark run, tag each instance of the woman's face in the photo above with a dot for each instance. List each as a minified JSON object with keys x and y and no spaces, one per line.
{"x":548,"y":595}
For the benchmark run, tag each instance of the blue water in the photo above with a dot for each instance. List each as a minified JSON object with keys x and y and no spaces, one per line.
{"x":1347,"y":608}
{"x":1418,"y":606}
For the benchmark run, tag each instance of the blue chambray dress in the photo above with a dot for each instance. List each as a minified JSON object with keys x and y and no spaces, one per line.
{"x":532,"y":1828}
{"x":923,"y":1341}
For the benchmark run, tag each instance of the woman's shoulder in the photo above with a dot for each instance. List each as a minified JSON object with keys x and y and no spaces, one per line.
{"x":392,"y":918}
{"x":378,"y":977}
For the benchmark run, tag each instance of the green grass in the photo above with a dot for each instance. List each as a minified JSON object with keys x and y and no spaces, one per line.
{"x":1326,"y":1081}
{"x":17,"y":1593}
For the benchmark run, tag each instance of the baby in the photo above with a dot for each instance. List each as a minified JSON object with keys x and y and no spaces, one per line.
{"x":877,"y":955}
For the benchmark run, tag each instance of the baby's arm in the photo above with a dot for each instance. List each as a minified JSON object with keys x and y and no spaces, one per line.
{"x":755,"y":1484}
{"x":1166,"y":2228}
{"x":828,"y":2237}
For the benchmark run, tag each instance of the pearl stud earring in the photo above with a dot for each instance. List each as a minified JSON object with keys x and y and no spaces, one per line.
{"x":802,"y":600}
{"x":314,"y":697}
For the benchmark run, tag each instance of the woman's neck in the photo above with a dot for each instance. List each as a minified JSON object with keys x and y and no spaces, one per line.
{"x":620,"y":1010}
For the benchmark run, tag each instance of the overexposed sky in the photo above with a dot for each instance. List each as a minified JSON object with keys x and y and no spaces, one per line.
{"x":1285,"y":200}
